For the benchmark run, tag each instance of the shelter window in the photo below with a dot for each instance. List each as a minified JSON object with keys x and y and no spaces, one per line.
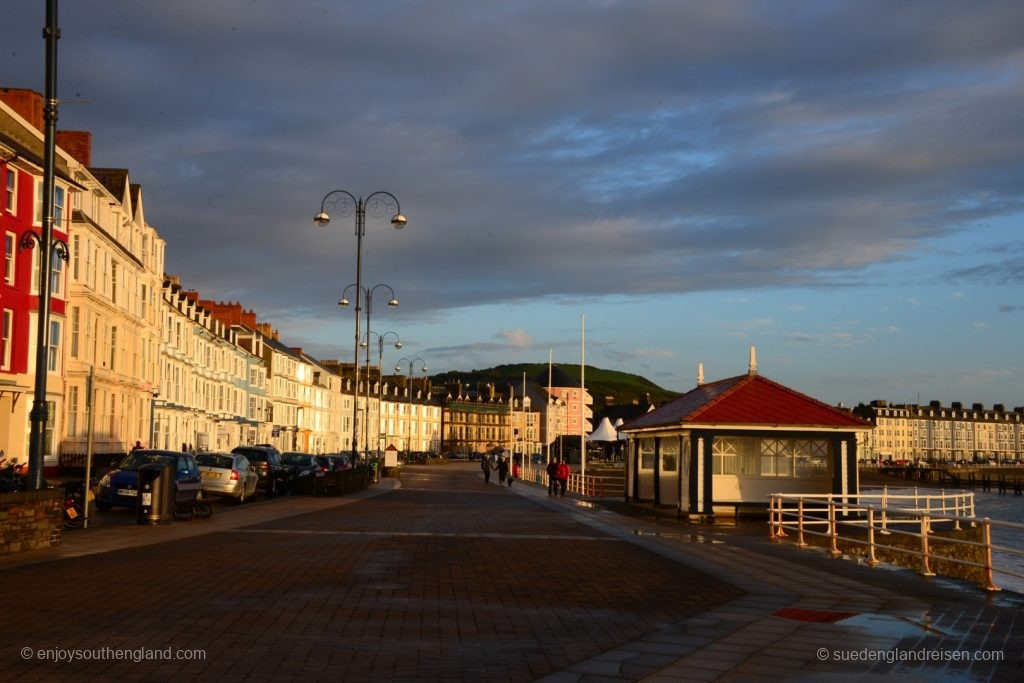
{"x":646,"y":454}
{"x":669,"y":454}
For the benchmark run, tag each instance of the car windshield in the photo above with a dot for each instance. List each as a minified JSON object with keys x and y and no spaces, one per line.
{"x":297,"y":459}
{"x":224,"y":462}
{"x":136,"y":460}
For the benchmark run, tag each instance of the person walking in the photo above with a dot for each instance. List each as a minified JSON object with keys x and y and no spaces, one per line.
{"x":514,"y":474}
{"x":487,"y":467}
{"x":563,"y":477}
{"x":502,"y":470}
{"x":137,"y":446}
{"x":553,"y":476}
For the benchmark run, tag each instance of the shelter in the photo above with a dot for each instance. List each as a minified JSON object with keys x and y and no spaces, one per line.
{"x":731,"y":443}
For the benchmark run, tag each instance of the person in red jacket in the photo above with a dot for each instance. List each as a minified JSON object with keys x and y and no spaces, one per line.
{"x":563,"y":476}
{"x":553,"y":476}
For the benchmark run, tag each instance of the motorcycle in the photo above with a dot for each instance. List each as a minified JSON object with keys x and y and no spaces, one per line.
{"x":74,"y":504}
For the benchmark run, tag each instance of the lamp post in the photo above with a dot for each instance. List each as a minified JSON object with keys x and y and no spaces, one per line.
{"x":380,"y":369}
{"x":345,"y":203}
{"x":344,"y":302}
{"x":39,"y":414}
{"x":408,"y":389}
{"x":152,"y":419}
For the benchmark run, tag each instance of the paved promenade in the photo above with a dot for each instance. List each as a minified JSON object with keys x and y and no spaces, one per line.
{"x":439,"y":577}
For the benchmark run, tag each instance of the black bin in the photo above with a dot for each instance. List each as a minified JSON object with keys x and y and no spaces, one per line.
{"x":156,"y":493}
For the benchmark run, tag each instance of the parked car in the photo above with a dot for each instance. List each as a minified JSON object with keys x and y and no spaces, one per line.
{"x":229,"y":474}
{"x":339,"y":461}
{"x":121,"y":486}
{"x":303,"y":470}
{"x":273,"y":475}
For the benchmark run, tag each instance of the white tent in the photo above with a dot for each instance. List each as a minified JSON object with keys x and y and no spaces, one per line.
{"x":619,"y":423}
{"x":604,"y":432}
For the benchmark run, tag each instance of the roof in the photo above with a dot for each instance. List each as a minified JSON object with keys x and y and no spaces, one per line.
{"x":746,"y":400}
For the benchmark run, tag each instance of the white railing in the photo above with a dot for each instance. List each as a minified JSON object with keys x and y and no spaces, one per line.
{"x":588,"y":485}
{"x":832,"y":518}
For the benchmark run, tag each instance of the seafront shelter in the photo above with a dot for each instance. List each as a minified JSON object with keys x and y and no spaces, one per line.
{"x":725,"y":446}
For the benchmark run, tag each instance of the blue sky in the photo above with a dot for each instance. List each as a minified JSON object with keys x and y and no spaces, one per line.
{"x":836,"y":183}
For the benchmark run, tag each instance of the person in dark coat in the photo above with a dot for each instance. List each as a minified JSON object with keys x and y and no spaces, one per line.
{"x":553,"y":476}
{"x":487,"y":467}
{"x":502,"y":469}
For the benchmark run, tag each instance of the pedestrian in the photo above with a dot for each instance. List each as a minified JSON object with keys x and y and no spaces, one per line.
{"x":502,"y":470}
{"x":515,"y":474}
{"x":137,"y":446}
{"x":487,"y":467}
{"x":553,"y":476}
{"x":563,"y":477}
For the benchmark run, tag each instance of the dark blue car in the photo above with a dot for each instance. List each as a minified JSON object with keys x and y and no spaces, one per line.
{"x":121,"y":486}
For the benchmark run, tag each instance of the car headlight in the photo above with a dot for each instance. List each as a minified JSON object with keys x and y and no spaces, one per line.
{"x":304,"y":473}
{"x":105,"y":480}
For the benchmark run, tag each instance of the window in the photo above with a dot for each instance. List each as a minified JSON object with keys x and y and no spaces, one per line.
{"x":72,"y":418}
{"x":669,"y":454}
{"x":53,"y":361}
{"x":113,"y":348}
{"x":11,"y":191}
{"x":39,"y":202}
{"x":10,"y":249}
{"x":6,"y":332}
{"x":75,"y":321}
{"x":646,"y":454}
{"x":75,"y":241}
{"x":58,"y":207}
{"x":51,"y":413}
{"x":113,"y":282}
{"x":56,"y":275}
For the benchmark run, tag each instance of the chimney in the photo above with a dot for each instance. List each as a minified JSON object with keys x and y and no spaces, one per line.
{"x":700,"y":374}
{"x":28,"y":104}
{"x":753,"y":361}
{"x":77,"y":143}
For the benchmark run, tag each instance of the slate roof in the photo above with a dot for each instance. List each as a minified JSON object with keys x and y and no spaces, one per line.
{"x":746,"y":400}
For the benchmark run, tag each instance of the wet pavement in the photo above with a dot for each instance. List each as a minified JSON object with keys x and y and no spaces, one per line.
{"x":439,"y":577}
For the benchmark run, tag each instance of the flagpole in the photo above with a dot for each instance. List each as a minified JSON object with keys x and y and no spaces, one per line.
{"x":583,"y":390}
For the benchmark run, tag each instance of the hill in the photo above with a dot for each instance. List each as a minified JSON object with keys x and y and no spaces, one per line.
{"x":608,"y":387}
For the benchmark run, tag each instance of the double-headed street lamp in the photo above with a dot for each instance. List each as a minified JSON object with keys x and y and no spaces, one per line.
{"x":345,"y":203}
{"x":408,"y":390}
{"x":344,"y":302}
{"x":380,"y":381}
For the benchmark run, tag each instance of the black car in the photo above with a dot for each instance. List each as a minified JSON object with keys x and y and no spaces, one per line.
{"x":266,"y":461}
{"x":304,"y":471}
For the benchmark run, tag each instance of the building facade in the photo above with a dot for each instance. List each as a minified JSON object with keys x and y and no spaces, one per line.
{"x":911,"y":432}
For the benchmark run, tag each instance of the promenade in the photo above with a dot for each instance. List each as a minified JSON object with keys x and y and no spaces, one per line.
{"x":439,"y":577}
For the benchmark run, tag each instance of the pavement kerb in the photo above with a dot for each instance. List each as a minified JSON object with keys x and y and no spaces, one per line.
{"x":79,"y":542}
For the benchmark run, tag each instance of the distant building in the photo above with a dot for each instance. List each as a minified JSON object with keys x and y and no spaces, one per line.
{"x":942,"y":433}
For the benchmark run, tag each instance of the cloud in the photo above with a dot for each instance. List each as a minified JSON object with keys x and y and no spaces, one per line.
{"x":515,"y":338}
{"x":1007,"y":308}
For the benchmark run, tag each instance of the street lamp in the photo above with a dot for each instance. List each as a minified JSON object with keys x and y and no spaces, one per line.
{"x":38,"y":416}
{"x":380,"y":369}
{"x":344,"y":302}
{"x":408,"y":390}
{"x":345,"y":203}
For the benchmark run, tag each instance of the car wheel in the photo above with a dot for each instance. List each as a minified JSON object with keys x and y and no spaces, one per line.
{"x":102,"y":506}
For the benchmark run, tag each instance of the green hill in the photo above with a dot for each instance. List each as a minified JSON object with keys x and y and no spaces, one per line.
{"x":607,"y":387}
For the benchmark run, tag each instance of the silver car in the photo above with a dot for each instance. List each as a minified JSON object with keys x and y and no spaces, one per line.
{"x":227,"y":474}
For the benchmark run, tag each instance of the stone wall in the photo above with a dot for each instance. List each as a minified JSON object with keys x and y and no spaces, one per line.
{"x":31,"y":520}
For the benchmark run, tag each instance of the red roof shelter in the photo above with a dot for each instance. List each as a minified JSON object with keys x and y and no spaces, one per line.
{"x":731,"y":443}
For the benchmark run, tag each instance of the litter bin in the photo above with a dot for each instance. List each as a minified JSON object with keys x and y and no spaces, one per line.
{"x":156,"y":493}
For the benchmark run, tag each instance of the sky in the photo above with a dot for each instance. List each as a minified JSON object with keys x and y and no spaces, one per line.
{"x":838,"y":184}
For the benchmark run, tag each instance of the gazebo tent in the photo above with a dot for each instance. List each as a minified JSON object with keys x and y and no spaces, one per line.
{"x":734,"y":442}
{"x":604,"y":432}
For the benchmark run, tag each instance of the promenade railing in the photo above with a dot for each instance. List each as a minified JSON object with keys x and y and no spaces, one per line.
{"x":886,"y":523}
{"x":588,"y":486}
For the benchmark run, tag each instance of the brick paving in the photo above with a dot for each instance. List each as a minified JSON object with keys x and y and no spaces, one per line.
{"x":443,"y":578}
